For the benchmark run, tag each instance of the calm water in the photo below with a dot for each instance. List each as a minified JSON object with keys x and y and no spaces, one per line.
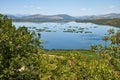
{"x":70,"y":35}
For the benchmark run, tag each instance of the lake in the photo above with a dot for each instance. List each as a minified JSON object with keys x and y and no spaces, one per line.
{"x":71,"y":35}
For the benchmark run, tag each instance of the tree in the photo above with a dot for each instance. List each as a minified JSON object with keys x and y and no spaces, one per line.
{"x":112,"y":51}
{"x":17,"y":47}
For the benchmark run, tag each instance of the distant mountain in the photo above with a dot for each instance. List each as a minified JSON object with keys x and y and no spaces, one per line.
{"x":49,"y":17}
{"x":66,"y":17}
{"x":106,"y":16}
{"x":39,"y":17}
{"x":60,"y":17}
{"x":16,"y":16}
{"x":12,"y":16}
{"x":111,"y":16}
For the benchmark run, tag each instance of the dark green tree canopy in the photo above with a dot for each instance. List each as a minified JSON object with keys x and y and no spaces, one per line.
{"x":16,"y":46}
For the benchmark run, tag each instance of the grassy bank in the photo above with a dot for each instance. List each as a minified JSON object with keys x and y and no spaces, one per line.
{"x":85,"y":53}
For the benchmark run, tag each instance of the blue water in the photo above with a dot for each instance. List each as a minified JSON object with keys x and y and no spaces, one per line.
{"x":58,"y":39}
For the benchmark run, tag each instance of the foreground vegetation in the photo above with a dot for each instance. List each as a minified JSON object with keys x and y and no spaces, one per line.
{"x":22,"y":59}
{"x":113,"y":22}
{"x":75,"y":66}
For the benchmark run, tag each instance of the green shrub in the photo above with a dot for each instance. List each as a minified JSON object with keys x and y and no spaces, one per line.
{"x":16,"y":48}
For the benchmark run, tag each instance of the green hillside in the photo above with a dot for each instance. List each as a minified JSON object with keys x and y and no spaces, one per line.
{"x":113,"y":22}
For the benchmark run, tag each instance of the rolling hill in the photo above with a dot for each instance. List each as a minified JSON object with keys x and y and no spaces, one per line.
{"x":39,"y":17}
{"x":60,"y":17}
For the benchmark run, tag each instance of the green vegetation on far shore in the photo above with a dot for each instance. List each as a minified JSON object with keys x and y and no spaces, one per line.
{"x":22,"y":20}
{"x":112,"y":22}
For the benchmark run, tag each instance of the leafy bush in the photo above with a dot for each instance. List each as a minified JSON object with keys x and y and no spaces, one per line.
{"x":16,"y":47}
{"x":75,"y":67}
{"x":112,"y":51}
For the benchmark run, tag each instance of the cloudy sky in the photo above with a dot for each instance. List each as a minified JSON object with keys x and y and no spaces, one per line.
{"x":51,"y":7}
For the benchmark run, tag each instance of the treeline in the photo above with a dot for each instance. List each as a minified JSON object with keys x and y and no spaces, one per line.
{"x":113,"y":22}
{"x":35,"y":20}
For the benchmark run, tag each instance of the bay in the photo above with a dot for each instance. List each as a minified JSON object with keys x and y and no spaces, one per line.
{"x":71,"y":35}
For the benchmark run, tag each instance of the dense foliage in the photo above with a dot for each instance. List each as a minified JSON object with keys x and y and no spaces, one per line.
{"x":17,"y":46}
{"x":111,"y":52}
{"x":113,"y":22}
{"x":21,"y":60}
{"x":74,"y":66}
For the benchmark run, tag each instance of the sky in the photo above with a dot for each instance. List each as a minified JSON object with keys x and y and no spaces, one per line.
{"x":52,"y":7}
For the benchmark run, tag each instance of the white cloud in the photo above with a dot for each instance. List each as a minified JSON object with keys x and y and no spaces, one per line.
{"x":32,"y":7}
{"x":112,"y":7}
{"x":38,"y":8}
{"x":84,"y":9}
